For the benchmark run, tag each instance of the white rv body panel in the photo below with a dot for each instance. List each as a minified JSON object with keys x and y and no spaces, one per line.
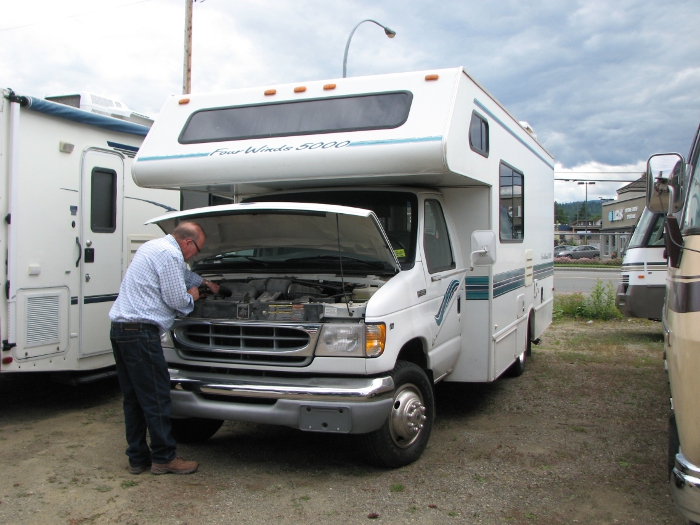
{"x":457,"y":322}
{"x":54,"y":303}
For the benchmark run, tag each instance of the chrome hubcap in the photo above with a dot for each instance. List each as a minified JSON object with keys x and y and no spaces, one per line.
{"x":407,"y":415}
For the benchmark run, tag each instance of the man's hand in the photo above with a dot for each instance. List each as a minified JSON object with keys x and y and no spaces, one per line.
{"x":212,"y":286}
{"x":194,"y":292}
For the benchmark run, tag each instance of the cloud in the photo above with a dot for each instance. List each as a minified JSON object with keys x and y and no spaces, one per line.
{"x":601,"y":83}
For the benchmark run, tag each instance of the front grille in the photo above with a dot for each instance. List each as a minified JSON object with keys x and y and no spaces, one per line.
{"x":249,"y":343}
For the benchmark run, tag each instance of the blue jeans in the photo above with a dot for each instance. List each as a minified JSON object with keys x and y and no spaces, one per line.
{"x":145,"y":385}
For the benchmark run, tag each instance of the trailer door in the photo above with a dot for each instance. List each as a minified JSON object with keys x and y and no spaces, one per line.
{"x":101,"y":218}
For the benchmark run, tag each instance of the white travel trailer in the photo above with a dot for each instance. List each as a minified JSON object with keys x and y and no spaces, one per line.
{"x":642,"y":288}
{"x":71,"y":218}
{"x":394,"y":231}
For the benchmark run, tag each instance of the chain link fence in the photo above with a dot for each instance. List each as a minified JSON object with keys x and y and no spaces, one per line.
{"x":611,"y":245}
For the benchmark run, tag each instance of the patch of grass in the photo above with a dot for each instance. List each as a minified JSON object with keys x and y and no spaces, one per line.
{"x":397,"y":487}
{"x":600,"y":304}
{"x":103,"y":488}
{"x":479,"y":478}
{"x":129,"y":483}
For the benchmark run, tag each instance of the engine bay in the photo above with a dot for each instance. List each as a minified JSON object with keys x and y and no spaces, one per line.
{"x":279,"y":299}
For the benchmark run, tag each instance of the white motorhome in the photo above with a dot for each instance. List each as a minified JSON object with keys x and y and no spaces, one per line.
{"x":72,"y":217}
{"x":390,"y":232}
{"x":642,"y":285}
{"x":674,"y":188}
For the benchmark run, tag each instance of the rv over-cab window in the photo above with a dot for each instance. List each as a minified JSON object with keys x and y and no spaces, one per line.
{"x":303,"y":117}
{"x":479,"y":134}
{"x":511,"y":204}
{"x":103,"y":200}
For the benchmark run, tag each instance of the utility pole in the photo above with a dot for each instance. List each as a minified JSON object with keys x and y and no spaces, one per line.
{"x":187,"y":66}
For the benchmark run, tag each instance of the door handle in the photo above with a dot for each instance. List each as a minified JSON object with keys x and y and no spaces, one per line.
{"x":80,"y":251}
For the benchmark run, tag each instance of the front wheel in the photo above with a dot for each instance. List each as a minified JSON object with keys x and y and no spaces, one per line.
{"x":404,"y":435}
{"x":194,"y":429}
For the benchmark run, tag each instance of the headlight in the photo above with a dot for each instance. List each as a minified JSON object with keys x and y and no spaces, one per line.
{"x":346,"y":340}
{"x":352,"y":340}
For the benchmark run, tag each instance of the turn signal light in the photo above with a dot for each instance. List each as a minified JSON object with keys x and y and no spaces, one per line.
{"x":432,"y":77}
{"x":375,"y":338}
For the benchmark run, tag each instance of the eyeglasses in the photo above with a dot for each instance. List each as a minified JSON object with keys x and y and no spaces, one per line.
{"x":196,"y":246}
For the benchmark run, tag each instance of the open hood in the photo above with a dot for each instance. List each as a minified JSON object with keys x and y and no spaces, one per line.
{"x":283,"y":236}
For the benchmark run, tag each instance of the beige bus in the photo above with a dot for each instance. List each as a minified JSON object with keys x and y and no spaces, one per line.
{"x":674,"y":187}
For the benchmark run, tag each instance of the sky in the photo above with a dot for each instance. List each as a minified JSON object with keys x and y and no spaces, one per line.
{"x":604,"y":84}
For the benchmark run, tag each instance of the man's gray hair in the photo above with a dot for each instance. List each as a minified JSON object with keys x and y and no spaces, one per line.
{"x":189,"y":230}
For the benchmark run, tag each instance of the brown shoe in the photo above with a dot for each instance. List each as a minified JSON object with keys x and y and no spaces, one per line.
{"x":176,"y":466}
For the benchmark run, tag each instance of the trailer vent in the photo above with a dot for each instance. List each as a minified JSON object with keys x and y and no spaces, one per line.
{"x":42,"y":321}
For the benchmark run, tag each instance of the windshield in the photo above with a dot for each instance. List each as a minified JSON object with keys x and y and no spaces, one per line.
{"x":397,"y":212}
{"x":637,"y":240}
{"x":691,"y":220}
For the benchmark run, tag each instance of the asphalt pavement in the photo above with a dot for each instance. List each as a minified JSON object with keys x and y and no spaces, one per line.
{"x":568,"y":280}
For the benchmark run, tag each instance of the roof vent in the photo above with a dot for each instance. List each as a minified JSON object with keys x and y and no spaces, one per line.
{"x":101,"y":106}
{"x":528,"y":128}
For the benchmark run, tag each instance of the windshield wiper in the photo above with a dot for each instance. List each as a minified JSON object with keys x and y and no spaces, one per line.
{"x":374,"y":264}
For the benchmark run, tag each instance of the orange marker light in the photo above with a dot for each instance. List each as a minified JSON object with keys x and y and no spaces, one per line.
{"x":432,"y":77}
{"x":299,"y":89}
{"x":183,"y":101}
{"x":641,"y":276}
{"x":269,"y":92}
{"x":329,"y":86}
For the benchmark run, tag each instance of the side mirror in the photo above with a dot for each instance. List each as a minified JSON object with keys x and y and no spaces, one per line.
{"x":665,"y":173}
{"x":483,"y":248}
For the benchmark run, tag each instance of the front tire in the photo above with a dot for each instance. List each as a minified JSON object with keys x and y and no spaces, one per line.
{"x":404,"y":435}
{"x":194,"y":429}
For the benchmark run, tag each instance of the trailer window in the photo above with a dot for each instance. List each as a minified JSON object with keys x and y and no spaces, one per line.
{"x":436,"y":239}
{"x":511,"y":204}
{"x":479,"y":134}
{"x":103,"y":200}
{"x":303,"y":117}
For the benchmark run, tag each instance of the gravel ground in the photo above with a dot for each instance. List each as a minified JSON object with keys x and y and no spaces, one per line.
{"x":579,"y":438}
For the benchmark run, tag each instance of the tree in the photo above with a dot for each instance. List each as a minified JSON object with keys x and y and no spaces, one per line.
{"x":560,"y":215}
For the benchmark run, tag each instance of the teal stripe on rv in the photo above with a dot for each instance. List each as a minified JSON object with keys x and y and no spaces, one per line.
{"x":504,"y":126}
{"x":393,"y":141}
{"x":543,"y":270}
{"x":166,"y":157}
{"x":508,"y":281}
{"x":477,"y":288}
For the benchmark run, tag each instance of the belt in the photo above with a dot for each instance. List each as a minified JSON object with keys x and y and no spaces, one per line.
{"x":135,"y":326}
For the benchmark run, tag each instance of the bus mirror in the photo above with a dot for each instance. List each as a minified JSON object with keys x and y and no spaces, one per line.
{"x":664,"y":175}
{"x":483,"y":248}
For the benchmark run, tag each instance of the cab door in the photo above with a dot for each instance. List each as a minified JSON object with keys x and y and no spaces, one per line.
{"x":444,"y":284}
{"x":100,"y":243}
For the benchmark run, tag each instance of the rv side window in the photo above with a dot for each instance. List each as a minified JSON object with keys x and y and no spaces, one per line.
{"x":511,"y":204}
{"x":479,"y":134}
{"x":436,"y":240}
{"x":103,"y":200}
{"x":302,"y":117}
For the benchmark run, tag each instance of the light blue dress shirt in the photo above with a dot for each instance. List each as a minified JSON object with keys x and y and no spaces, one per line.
{"x":154,"y":289}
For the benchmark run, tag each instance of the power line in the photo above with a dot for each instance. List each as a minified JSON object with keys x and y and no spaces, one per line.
{"x":596,"y":180}
{"x":74,"y":16}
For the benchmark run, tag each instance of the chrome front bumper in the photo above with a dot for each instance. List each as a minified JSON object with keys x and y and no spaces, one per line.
{"x":330,"y":404}
{"x":685,"y":487}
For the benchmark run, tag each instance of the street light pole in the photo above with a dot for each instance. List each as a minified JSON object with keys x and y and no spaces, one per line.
{"x":389,"y":32}
{"x":187,"y":63}
{"x":585,"y":204}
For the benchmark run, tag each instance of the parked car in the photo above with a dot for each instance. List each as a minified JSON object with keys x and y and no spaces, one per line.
{"x":562,"y":248}
{"x":580,"y":252}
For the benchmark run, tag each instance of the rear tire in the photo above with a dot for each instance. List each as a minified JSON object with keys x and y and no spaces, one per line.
{"x":404,"y":435}
{"x":194,"y":429}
